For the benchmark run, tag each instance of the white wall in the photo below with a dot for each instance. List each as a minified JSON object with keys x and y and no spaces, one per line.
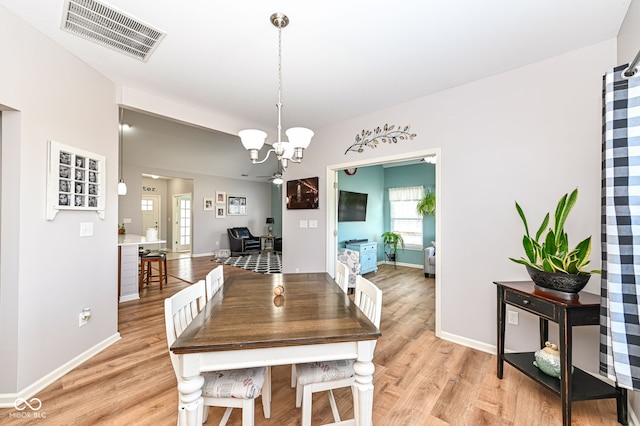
{"x":529,"y":135}
{"x":48,"y":272}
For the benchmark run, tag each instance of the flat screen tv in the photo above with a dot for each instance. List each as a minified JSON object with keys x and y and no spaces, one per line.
{"x":352,"y":207}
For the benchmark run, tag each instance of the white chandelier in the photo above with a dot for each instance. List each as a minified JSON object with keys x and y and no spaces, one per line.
{"x":299,"y":137}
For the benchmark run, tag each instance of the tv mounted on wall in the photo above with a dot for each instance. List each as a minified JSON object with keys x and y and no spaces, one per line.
{"x":352,"y":207}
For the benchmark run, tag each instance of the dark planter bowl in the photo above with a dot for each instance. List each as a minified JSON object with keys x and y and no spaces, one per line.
{"x":558,"y":281}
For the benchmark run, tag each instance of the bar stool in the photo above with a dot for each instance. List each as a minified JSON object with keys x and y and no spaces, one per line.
{"x":147,"y":259}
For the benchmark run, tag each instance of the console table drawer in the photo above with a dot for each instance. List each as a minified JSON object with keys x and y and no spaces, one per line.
{"x":531,"y":304}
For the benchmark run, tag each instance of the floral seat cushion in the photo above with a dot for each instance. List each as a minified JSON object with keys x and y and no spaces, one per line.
{"x":241,"y":384}
{"x":324,"y":371}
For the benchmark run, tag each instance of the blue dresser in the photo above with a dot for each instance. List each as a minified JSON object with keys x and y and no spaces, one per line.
{"x":368,"y":255}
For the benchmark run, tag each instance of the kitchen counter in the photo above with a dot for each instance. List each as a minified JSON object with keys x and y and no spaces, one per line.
{"x":129,"y":264}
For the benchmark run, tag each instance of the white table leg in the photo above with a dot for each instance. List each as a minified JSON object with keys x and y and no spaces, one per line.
{"x":363,"y":395}
{"x":190,"y":401}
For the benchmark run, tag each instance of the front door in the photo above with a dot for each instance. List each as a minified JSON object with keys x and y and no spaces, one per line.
{"x":151,"y":214}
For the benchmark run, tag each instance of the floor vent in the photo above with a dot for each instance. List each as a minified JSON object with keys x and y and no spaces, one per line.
{"x":109,"y":27}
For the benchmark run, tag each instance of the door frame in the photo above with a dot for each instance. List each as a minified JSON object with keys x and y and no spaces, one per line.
{"x":175,"y":226}
{"x":332,"y":213}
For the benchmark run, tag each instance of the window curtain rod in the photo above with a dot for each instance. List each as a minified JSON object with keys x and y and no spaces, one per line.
{"x":632,"y":69}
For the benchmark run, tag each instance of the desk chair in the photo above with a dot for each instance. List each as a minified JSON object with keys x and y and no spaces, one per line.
{"x":328,"y":375}
{"x":224,"y":388}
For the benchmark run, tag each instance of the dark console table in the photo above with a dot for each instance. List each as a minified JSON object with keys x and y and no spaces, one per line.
{"x":566,"y":311}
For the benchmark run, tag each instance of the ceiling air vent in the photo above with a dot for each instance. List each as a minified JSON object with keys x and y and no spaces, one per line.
{"x":109,"y":27}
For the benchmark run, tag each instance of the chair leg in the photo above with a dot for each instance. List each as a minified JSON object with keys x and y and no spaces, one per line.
{"x":306,"y":404}
{"x":248,"y":412}
{"x":266,"y":394}
{"x":299,"y":390}
{"x":294,"y":378}
{"x":161,"y":275}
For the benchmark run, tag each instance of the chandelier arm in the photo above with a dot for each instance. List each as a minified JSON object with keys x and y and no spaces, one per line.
{"x":265,"y":158}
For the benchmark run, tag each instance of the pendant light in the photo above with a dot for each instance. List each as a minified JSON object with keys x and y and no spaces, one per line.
{"x":122,"y":187}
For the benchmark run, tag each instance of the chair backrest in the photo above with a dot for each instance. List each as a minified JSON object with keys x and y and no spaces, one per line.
{"x":342,"y":276}
{"x":368,"y":297}
{"x":179,"y":310}
{"x":213,"y":281}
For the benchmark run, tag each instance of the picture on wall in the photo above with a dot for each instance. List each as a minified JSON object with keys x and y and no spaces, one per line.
{"x":75,"y":180}
{"x":302,"y":193}
{"x":236,"y":206}
{"x":209,"y":204}
{"x":221,"y":197}
{"x":220,"y":212}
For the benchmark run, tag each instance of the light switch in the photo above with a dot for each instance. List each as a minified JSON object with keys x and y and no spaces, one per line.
{"x":303,"y":224}
{"x":126,"y":220}
{"x":86,"y":229}
{"x":313,"y":224}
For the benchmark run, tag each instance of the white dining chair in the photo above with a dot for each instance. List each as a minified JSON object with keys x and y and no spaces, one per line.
{"x":342,"y":276}
{"x":213,"y":281}
{"x":224,"y":388}
{"x":328,"y":375}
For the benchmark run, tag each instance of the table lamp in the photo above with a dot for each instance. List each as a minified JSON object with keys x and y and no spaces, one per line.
{"x":270,"y":222}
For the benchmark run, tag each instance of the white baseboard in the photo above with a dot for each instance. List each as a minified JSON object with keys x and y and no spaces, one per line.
{"x":408,"y":265}
{"x":129,"y":297}
{"x":7,"y":400}
{"x":470,"y":343}
{"x":202,"y":254}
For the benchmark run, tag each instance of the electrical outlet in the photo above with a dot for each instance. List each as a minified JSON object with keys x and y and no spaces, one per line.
{"x":81,"y":320}
{"x":513,"y":317}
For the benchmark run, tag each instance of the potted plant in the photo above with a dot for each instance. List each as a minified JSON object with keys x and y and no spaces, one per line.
{"x":391,"y":241}
{"x":549,"y":260}
{"x":427,"y":205}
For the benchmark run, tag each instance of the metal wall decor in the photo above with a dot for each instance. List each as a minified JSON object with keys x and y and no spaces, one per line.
{"x":386,"y":134}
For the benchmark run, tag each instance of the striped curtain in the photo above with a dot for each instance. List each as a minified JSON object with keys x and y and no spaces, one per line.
{"x":620,"y":283}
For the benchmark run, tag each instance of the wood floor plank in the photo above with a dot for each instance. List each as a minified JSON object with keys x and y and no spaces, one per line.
{"x":419,"y":379}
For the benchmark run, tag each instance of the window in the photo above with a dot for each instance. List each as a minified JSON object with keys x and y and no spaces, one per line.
{"x":404,"y":218}
{"x":147,"y":205}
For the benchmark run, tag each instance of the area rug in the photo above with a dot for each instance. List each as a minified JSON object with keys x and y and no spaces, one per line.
{"x":264,"y":263}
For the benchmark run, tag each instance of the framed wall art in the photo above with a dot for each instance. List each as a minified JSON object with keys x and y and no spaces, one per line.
{"x":221,"y":197}
{"x":236,"y":206}
{"x":220,"y":212}
{"x":75,"y":180}
{"x":209,"y":204}
{"x":302,"y":193}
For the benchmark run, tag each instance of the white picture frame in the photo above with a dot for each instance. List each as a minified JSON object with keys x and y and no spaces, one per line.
{"x":220,"y":212}
{"x":236,"y":205}
{"x":221,"y":197}
{"x":209,"y":204}
{"x":75,"y":180}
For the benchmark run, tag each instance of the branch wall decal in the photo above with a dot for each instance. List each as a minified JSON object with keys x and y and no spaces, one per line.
{"x":386,"y":134}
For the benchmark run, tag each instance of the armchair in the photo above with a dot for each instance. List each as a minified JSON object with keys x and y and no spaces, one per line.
{"x":241,"y":240}
{"x":429,"y":261}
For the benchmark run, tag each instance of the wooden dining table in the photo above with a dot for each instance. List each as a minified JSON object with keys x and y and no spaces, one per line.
{"x":246,"y":325}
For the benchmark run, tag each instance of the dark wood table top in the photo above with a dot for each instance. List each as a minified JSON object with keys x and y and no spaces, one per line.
{"x":245,"y":314}
{"x":529,"y":288}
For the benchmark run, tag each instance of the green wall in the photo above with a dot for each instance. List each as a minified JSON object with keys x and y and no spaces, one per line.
{"x":374,"y":181}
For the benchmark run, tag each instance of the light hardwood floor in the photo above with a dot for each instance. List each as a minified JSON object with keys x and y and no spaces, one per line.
{"x":419,"y":379}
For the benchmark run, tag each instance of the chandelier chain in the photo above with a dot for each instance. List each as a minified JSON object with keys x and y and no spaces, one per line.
{"x":279,"y":84}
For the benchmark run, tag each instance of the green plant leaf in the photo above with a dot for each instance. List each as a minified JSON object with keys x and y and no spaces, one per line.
{"x":563,"y":209}
{"x":543,"y":226}
{"x":529,"y":249}
{"x":524,"y":219}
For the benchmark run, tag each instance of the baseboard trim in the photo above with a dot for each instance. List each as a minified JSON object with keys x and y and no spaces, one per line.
{"x":7,"y":400}
{"x":470,"y":343}
{"x":129,"y":297}
{"x":408,"y":265}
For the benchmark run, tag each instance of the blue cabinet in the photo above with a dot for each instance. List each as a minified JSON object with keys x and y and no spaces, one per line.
{"x":368,"y":256}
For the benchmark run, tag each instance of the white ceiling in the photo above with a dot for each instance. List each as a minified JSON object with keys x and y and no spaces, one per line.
{"x":341,"y":58}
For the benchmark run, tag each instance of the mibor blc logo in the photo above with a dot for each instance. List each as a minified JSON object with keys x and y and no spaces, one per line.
{"x":28,"y":409}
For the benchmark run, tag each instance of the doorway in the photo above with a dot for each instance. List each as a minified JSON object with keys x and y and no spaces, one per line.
{"x":182,"y":222}
{"x":150,"y":208}
{"x":332,"y":211}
